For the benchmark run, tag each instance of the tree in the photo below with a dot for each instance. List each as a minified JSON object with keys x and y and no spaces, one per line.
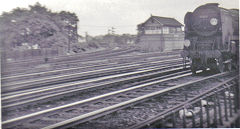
{"x":37,"y":26}
{"x":69,"y":25}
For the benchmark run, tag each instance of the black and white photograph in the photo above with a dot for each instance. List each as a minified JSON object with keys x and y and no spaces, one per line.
{"x":119,"y":64}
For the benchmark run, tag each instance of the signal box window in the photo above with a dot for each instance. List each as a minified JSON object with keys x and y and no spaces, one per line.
{"x":165,"y":30}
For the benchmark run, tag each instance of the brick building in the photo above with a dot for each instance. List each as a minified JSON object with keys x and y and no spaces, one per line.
{"x":160,"y":34}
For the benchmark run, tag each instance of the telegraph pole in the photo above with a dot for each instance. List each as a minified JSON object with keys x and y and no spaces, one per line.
{"x":113,"y":30}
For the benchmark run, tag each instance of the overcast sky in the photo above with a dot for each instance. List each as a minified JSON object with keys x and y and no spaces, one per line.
{"x":97,"y":16}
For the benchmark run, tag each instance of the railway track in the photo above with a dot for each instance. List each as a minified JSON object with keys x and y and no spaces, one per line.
{"x":65,"y":57}
{"x":44,"y":81}
{"x":106,"y":103}
{"x":216,"y":107}
{"x":11,"y":69}
{"x":35,"y":95}
{"x":145,"y":110}
{"x":39,"y":59}
{"x":84,"y":101}
{"x":118,"y":58}
{"x":78,"y":69}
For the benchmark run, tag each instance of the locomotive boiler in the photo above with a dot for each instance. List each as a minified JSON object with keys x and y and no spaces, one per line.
{"x":213,"y":33}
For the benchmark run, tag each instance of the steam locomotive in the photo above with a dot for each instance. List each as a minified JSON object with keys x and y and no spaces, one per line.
{"x":213,"y":33}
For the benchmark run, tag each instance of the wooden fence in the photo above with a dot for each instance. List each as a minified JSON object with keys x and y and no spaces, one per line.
{"x":31,"y":53}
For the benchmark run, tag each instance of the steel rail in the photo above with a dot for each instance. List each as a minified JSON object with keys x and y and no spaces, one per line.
{"x":139,"y":71}
{"x":69,"y":69}
{"x":68,"y":77}
{"x":60,"y":56}
{"x":86,"y":59}
{"x":80,"y":119}
{"x":94,"y":98}
{"x":119,"y":57}
{"x":69,"y":57}
{"x":185,"y":104}
{"x":33,"y":93}
{"x":91,"y":80}
{"x":91,"y":54}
